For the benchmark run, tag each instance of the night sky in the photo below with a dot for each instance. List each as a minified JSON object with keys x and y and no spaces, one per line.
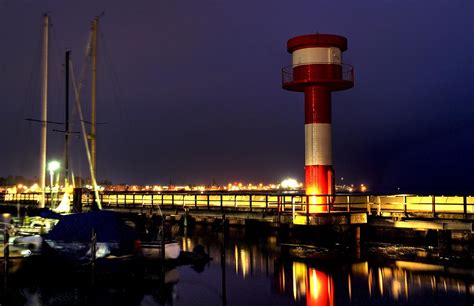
{"x":190,"y":91}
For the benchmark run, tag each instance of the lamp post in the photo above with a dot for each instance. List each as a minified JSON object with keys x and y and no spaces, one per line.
{"x":52,"y":166}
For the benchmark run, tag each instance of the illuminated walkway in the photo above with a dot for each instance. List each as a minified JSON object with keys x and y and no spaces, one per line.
{"x":409,"y":211}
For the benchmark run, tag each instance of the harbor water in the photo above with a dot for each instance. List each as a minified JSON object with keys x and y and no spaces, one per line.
{"x":257,"y":266}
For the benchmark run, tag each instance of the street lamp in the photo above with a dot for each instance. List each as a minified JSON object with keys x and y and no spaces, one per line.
{"x":52,"y":166}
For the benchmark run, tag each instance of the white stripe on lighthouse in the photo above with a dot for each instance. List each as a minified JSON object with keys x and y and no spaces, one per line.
{"x":317,"y":56}
{"x":318,"y":149}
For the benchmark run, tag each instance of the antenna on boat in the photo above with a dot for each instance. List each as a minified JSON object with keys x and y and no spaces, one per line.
{"x":93,"y":54}
{"x":66,"y":123}
{"x":44,"y":108}
{"x":93,"y":133}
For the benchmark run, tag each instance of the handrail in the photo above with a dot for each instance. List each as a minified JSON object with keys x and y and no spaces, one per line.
{"x":347,"y":72}
{"x":279,"y":202}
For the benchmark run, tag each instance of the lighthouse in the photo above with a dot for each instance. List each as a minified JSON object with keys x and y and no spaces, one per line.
{"x":317,"y":70}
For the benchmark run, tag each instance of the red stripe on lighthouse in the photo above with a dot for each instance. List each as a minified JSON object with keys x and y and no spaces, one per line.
{"x":318,"y":151}
{"x":317,"y":105}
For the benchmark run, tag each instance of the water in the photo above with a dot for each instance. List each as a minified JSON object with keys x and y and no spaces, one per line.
{"x":251,"y":268}
{"x":257,"y":272}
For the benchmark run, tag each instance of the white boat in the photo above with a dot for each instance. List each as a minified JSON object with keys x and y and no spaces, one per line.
{"x":152,"y":249}
{"x":32,"y":243}
{"x":34,"y":226}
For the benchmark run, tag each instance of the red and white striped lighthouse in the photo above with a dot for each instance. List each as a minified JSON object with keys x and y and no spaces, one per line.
{"x":317,"y":70}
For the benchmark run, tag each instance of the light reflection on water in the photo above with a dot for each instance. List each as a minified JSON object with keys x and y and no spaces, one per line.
{"x":251,"y":269}
{"x":325,"y":283}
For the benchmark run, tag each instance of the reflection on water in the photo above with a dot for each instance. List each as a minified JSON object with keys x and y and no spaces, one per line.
{"x":251,"y":269}
{"x":403,"y":282}
{"x":314,"y":286}
{"x":325,"y":282}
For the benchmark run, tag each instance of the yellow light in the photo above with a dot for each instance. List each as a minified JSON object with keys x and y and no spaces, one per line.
{"x":236,"y":255}
{"x":244,"y":262}
{"x":289,"y":183}
{"x":53,"y":166}
{"x":316,"y":287}
{"x":299,"y":279}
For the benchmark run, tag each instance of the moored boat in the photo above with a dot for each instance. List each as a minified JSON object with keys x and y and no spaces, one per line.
{"x":153,"y":249}
{"x":77,"y":235}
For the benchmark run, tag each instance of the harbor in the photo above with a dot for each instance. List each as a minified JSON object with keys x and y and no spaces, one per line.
{"x":326,"y":272}
{"x":363,"y":249}
{"x":214,"y":153}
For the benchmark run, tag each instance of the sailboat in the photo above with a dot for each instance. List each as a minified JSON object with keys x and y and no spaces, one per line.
{"x":95,"y":234}
{"x":34,"y":242}
{"x":77,"y":235}
{"x":64,"y":205}
{"x":91,"y":151}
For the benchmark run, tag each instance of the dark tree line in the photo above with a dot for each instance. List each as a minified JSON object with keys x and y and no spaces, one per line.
{"x":15,"y":180}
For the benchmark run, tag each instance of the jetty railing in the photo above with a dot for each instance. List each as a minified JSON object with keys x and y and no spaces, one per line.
{"x":296,"y":203}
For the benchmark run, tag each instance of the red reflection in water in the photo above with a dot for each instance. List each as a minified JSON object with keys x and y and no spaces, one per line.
{"x":307,"y":283}
{"x":319,"y":288}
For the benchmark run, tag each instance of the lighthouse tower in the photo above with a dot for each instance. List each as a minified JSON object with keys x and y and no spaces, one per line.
{"x":317,"y":70}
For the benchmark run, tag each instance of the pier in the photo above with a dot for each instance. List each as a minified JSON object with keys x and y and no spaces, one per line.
{"x":420,"y":212}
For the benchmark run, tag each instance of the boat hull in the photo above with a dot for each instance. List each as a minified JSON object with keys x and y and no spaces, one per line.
{"x":152,"y":250}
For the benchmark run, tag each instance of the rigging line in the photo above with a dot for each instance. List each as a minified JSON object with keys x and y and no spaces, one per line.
{"x":86,"y":142}
{"x":116,"y":85}
{"x":82,"y":75}
{"x":75,"y":110}
{"x":48,"y":121}
{"x":114,"y":80}
{"x":23,"y":160}
{"x":32,"y":79}
{"x":84,"y":65}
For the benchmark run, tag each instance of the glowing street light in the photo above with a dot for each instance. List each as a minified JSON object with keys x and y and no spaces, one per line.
{"x":289,"y":183}
{"x":53,"y":166}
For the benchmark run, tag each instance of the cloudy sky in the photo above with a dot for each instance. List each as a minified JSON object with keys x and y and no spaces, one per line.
{"x":190,"y":91}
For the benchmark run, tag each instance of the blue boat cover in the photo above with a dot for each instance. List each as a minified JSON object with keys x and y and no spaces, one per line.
{"x":48,"y":213}
{"x":107,"y":225}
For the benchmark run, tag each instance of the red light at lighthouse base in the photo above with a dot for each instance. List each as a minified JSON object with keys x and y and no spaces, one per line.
{"x":319,"y":187}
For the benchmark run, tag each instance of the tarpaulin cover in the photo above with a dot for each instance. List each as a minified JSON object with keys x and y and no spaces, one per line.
{"x":107,"y":225}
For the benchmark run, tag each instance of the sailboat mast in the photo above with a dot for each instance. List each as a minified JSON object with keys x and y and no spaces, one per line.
{"x":66,"y":134}
{"x":93,"y":135}
{"x":44,"y":108}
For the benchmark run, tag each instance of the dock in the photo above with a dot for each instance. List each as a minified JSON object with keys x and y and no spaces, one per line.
{"x":422,"y":212}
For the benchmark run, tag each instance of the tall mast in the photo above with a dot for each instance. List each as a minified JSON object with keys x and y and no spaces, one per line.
{"x":66,"y":134}
{"x":95,"y":25}
{"x":44,"y":108}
